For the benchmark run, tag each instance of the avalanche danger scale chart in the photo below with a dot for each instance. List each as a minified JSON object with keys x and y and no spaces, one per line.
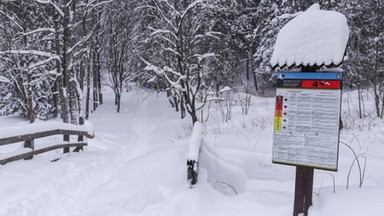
{"x":307,"y":118}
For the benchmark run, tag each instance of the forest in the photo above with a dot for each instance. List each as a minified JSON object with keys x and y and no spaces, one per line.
{"x":57,"y":56}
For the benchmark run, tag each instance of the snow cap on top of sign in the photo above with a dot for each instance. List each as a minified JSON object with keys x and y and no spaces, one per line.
{"x":314,"y":37}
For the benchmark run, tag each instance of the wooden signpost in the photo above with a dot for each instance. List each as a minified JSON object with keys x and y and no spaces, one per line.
{"x":307,"y":127}
{"x":308,"y":102}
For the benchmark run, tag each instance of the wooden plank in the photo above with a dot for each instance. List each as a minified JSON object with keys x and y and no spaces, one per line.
{"x":59,"y":146}
{"x":40,"y":151}
{"x":22,"y":138}
{"x":16,"y":157}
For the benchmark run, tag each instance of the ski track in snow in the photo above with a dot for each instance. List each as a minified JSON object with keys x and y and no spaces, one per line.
{"x":75,"y":176}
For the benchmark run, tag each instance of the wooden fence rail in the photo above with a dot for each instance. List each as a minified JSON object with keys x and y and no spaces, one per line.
{"x":29,"y":140}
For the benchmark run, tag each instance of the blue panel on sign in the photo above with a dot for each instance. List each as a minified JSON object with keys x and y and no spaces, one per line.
{"x":310,"y":75}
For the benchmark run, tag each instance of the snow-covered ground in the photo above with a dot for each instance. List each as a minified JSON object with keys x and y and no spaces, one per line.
{"x":136,"y":165}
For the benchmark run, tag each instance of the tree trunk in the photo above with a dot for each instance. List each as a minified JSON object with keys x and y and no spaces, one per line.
{"x":117,"y":102}
{"x":98,"y":63}
{"x":29,"y":91}
{"x":73,"y":102}
{"x":377,"y":102}
{"x":253,"y":72}
{"x":87,"y":99}
{"x":177,"y":103}
{"x":56,"y":100}
{"x":359,"y":96}
{"x":182,"y":108}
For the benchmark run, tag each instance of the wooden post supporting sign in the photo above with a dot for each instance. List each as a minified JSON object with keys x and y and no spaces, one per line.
{"x":303,"y":180}
{"x":306,"y":132}
{"x":308,"y":103}
{"x":303,"y":190}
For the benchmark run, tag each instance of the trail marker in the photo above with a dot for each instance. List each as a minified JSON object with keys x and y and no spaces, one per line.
{"x":307,"y":115}
{"x":307,"y":119}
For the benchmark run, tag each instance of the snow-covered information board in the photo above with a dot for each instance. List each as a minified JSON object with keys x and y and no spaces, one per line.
{"x":307,"y":118}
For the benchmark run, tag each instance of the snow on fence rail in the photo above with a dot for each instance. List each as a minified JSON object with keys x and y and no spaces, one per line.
{"x":28,"y":134}
{"x":193,"y":153}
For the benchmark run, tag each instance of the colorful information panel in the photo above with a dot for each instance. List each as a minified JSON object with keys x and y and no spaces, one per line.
{"x":307,"y":118}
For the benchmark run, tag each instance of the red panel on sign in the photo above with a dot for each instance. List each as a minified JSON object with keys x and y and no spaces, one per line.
{"x":279,"y":102}
{"x":321,"y":84}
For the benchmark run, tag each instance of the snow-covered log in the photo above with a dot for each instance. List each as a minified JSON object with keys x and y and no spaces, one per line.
{"x":193,"y":153}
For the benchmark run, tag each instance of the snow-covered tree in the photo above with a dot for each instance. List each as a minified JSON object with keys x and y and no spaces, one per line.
{"x":119,"y":50}
{"x":179,"y":37}
{"x":49,"y":41}
{"x":24,"y":63}
{"x":365,"y":63}
{"x":271,"y":17}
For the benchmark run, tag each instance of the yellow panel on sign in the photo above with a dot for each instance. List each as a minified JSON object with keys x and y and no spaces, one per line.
{"x":278,"y":123}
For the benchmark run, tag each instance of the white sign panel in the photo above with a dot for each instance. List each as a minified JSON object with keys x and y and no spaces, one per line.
{"x":307,"y":119}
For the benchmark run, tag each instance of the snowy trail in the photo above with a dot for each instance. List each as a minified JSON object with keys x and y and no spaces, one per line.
{"x":69,"y":181}
{"x":136,"y":167}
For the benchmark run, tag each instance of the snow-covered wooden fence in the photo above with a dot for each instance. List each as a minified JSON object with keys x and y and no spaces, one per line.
{"x":193,"y":153}
{"x":28,"y":134}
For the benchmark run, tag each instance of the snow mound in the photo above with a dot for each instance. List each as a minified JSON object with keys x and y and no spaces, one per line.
{"x":315,"y":37}
{"x":226,"y":175}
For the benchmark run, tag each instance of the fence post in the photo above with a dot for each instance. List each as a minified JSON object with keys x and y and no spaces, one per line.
{"x":29,"y":144}
{"x":66,"y":139}
{"x":80,"y":138}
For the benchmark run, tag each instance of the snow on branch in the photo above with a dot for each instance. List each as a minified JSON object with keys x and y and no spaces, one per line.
{"x":164,"y":72}
{"x":158,"y":70}
{"x":162,"y":31}
{"x":52,"y":30}
{"x":84,"y":39}
{"x":201,"y":57}
{"x":37,"y":64}
{"x":11,"y":19}
{"x":151,"y":67}
{"x":4,"y":80}
{"x":32,"y":52}
{"x":169,"y":22}
{"x":190,"y":7}
{"x":53,"y":4}
{"x":172,"y":51}
{"x":214,"y":34}
{"x":93,"y":5}
{"x":173,"y":8}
